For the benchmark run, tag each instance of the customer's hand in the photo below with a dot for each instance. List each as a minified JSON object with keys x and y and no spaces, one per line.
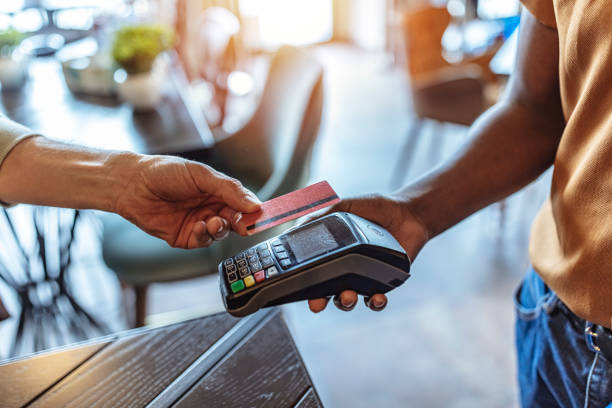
{"x":391,"y":214}
{"x":185,"y":203}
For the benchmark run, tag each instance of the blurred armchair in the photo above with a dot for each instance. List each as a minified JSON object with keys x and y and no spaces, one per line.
{"x":441,"y":91}
{"x":43,"y":251}
{"x":210,"y":47}
{"x":4,"y":314}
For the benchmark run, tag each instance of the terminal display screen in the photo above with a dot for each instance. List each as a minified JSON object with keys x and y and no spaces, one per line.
{"x":306,"y":243}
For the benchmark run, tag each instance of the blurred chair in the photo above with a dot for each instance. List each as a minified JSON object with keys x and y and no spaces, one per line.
{"x":441,"y":91}
{"x":210,"y":48}
{"x":270,"y":155}
{"x":38,"y":253}
{"x":218,"y":51}
{"x":4,"y":314}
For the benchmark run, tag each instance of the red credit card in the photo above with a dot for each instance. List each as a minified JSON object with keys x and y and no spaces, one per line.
{"x":290,"y":206}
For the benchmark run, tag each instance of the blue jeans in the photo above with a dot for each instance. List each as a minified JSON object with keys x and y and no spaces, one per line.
{"x":557,"y":364}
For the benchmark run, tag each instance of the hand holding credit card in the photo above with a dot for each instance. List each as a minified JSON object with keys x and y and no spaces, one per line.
{"x":290,"y":206}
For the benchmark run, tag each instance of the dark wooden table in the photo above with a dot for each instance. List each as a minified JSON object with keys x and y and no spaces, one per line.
{"x":213,"y":361}
{"x":46,"y":105}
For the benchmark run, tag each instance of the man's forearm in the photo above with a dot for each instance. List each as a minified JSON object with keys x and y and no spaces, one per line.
{"x":45,"y":172}
{"x":511,"y":144}
{"x":509,"y":147}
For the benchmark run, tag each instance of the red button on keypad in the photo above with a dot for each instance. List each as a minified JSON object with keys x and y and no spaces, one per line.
{"x":259,"y":276}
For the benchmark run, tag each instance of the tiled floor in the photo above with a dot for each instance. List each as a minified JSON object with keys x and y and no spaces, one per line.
{"x":446,"y":338}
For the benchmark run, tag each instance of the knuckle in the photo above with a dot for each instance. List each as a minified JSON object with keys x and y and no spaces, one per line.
{"x":234,"y":184}
{"x":375,"y":197}
{"x":203,"y":170}
{"x":207,"y":168}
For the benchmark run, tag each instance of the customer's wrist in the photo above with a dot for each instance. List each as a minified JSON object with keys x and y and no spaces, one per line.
{"x":122,"y":168}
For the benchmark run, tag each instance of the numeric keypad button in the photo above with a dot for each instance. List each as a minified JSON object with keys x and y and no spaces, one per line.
{"x":282,"y":255}
{"x":243,"y":272}
{"x":271,"y":272}
{"x":267,"y":261}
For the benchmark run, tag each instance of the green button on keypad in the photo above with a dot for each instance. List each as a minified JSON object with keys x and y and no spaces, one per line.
{"x":237,"y":286}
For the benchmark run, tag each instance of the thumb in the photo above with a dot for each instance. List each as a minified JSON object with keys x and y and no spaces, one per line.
{"x":230,"y":190}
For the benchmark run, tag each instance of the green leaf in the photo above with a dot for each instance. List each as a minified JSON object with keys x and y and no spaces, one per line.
{"x":9,"y":40}
{"x":136,"y":47}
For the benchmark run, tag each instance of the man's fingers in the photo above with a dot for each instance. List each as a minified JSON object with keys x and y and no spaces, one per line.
{"x":199,"y":237}
{"x":229,"y":189}
{"x":376,"y":302}
{"x":346,"y":301}
{"x":317,"y":305}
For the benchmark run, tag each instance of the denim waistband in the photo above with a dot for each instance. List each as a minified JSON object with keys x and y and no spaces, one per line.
{"x":534,"y":297}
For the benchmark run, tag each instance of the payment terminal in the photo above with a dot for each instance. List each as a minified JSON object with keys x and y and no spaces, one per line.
{"x":322,"y":258}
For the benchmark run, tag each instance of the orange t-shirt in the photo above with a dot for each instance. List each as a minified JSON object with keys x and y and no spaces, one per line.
{"x":571,"y":239}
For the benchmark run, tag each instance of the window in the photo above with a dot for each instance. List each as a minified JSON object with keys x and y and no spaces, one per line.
{"x":271,"y":23}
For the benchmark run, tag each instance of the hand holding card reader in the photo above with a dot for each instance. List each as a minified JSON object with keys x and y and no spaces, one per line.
{"x":322,"y":258}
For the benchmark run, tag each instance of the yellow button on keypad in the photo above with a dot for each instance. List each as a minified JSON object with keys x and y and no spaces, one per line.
{"x":249,"y":281}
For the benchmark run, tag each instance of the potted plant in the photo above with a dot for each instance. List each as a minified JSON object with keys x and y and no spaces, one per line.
{"x":13,"y":62}
{"x":136,"y":49}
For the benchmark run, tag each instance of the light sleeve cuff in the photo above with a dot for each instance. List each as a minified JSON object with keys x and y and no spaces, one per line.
{"x":11,"y":133}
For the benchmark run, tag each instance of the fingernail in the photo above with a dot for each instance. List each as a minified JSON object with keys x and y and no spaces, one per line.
{"x":253,"y":198}
{"x":222,"y":236}
{"x":378,"y":303}
{"x":224,"y":225}
{"x":341,"y":305}
{"x":348,"y":305}
{"x":237,"y":218}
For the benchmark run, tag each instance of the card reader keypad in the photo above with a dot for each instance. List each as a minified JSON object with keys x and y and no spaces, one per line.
{"x":255,"y":265}
{"x":252,"y":266}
